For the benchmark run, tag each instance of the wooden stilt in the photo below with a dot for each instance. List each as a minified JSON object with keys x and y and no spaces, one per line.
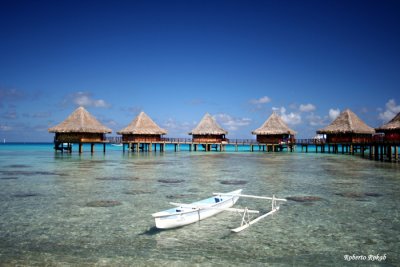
{"x":389,"y":153}
{"x":376,"y":152}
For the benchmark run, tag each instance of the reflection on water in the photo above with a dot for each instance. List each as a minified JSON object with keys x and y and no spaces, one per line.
{"x":96,"y":209}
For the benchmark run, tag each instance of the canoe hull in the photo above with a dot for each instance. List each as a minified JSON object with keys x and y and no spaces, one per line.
{"x":181,"y":216}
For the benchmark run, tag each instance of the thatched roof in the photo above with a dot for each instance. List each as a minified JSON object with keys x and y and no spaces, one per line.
{"x":273,"y":125}
{"x":80,"y":121}
{"x":208,"y":125}
{"x":142,"y":124}
{"x":347,"y":122}
{"x":393,"y":124}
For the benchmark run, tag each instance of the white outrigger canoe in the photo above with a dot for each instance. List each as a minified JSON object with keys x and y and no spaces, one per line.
{"x":184,"y":214}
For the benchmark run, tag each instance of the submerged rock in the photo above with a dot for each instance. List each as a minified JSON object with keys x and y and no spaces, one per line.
{"x":138,"y":192}
{"x":233,"y":182}
{"x":370,"y":194}
{"x":103,"y":203}
{"x":18,"y":166}
{"x":359,"y":196}
{"x":26,"y":195}
{"x":351,"y":194}
{"x":117,"y":178}
{"x":170,"y":181}
{"x":369,"y":241}
{"x":179,"y":196}
{"x":304,"y":198}
{"x":31,"y":173}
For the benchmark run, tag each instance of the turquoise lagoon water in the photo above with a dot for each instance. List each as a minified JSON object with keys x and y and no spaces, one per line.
{"x":95,"y":210}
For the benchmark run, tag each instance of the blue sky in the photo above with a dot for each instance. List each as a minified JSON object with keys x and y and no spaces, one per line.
{"x":176,"y":60}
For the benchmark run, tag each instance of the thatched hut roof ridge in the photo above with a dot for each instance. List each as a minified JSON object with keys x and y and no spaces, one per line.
{"x":142,"y":124}
{"x":393,"y":124}
{"x":208,"y":126}
{"x":272,"y":126}
{"x":347,"y":122}
{"x":80,"y":121}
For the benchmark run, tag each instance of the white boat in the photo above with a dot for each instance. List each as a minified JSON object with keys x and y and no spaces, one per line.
{"x":184,"y":214}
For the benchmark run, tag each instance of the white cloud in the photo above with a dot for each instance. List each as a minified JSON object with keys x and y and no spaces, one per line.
{"x":5,"y":128}
{"x":290,"y":118}
{"x":10,"y":95}
{"x":333,"y":113}
{"x":259,"y":103}
{"x":315,"y":120}
{"x":391,"y":110}
{"x":307,"y":107}
{"x":230,"y":122}
{"x":176,"y":128}
{"x":10,"y":115}
{"x":262,"y":100}
{"x":85,"y":99}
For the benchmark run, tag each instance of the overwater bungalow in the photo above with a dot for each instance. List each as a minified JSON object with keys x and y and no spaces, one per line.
{"x":208,"y":132}
{"x":274,"y":131}
{"x":80,"y":127}
{"x":142,"y":131}
{"x":347,"y":128}
{"x":391,"y":130}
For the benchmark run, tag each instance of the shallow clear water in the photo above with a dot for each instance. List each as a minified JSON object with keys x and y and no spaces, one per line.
{"x":52,"y":208}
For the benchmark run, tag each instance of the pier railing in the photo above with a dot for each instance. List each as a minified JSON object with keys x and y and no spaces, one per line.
{"x":309,"y":141}
{"x":241,"y":141}
{"x":366,"y":142}
{"x":173,"y":140}
{"x":312,"y":141}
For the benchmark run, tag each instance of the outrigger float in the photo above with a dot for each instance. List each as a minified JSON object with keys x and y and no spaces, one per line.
{"x":184,"y":214}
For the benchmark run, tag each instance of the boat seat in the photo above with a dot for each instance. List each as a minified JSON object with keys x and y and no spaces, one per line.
{"x":217,"y":199}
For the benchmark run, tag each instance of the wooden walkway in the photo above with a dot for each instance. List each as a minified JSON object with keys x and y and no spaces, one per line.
{"x":150,"y":145}
{"x":375,"y":150}
{"x":379,"y":150}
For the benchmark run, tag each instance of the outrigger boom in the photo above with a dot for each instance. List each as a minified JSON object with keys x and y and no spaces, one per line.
{"x":246,"y":222}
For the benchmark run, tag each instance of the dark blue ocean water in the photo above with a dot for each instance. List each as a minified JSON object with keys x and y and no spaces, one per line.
{"x":95,"y":209}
